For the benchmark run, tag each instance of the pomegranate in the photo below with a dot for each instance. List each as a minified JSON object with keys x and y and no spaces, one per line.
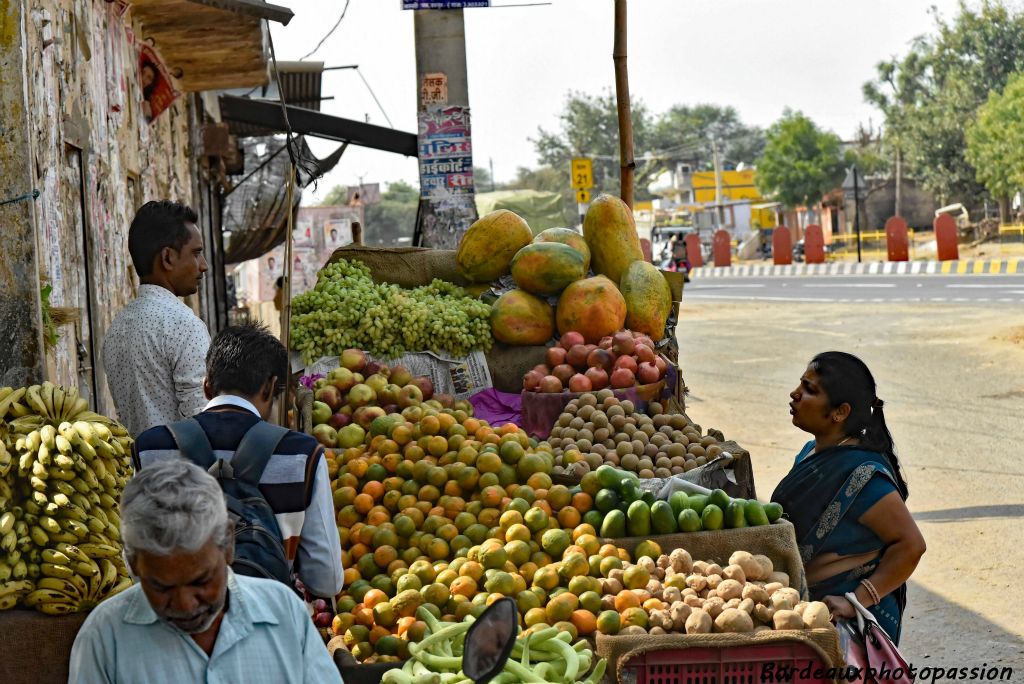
{"x":580,"y":383}
{"x":645,"y":354}
{"x":622,"y":378}
{"x":648,"y":373}
{"x":622,"y":342}
{"x":600,"y":358}
{"x":564,"y":372}
{"x":550,"y":384}
{"x":555,"y":356}
{"x":542,"y":369}
{"x":627,"y":362}
{"x":531,"y":381}
{"x":598,"y":378}
{"x":577,"y":357}
{"x":606,"y":342}
{"x":661,"y":364}
{"x":570,"y":339}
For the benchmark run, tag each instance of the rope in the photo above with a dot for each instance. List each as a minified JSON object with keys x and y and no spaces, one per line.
{"x":21,"y":198}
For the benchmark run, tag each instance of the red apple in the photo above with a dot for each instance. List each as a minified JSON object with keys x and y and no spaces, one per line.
{"x":622,"y":378}
{"x":326,"y":435}
{"x":622,"y":342}
{"x":598,"y":378}
{"x":320,"y":606}
{"x":644,"y":354}
{"x":330,"y":395}
{"x":446,"y":400}
{"x":550,"y":384}
{"x":365,"y":415}
{"x":600,"y":358}
{"x":339,"y":420}
{"x":361,"y":395}
{"x":555,"y":356}
{"x":627,"y":362}
{"x":426,"y":386}
{"x":389,"y":394}
{"x":342,"y":378}
{"x":377,"y":368}
{"x":531,"y":381}
{"x":411,"y":395}
{"x":354,"y":359}
{"x":577,"y":357}
{"x":564,"y":372}
{"x":648,"y":373}
{"x":580,"y":383}
{"x":401,"y":376}
{"x":391,"y":408}
{"x":323,"y":620}
{"x":570,"y":339}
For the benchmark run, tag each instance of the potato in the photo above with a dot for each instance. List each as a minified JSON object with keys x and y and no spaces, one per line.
{"x":612,"y":586}
{"x":747,"y":606}
{"x":751,"y":568}
{"x":647,"y":563}
{"x":728,"y":589}
{"x":654,"y":587}
{"x":697,"y":582}
{"x":699,"y":567}
{"x":687,"y":591}
{"x":633,"y":630}
{"x":698,"y":622}
{"x":734,"y":572}
{"x":772,"y":587}
{"x":780,"y":577}
{"x":755,"y":593}
{"x":816,"y":615}
{"x":764,"y":613}
{"x":732,"y":603}
{"x":660,"y":619}
{"x":733,"y":620}
{"x":787,"y":619}
{"x":714,"y":581}
{"x":658,"y":574}
{"x":681,"y":560}
{"x":785,"y":599}
{"x":616,"y":574}
{"x":671,"y":595}
{"x":679,"y":612}
{"x":762,"y":628}
{"x":641,"y":594}
{"x":713,"y":569}
{"x":713,"y":606}
{"x":656,"y":630}
{"x":608,"y":602}
{"x":664,"y":562}
{"x":800,"y":608}
{"x":767,"y":567}
{"x":693,"y":601}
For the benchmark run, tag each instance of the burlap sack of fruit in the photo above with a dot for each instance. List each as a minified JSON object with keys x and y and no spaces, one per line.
{"x":405,"y":266}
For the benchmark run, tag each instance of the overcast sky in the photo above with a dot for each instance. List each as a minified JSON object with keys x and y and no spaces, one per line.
{"x":760,"y":56}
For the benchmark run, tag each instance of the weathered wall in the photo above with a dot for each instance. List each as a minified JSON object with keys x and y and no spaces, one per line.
{"x":95,"y":159}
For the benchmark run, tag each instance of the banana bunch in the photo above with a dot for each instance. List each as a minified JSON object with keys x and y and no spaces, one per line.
{"x":62,"y":469}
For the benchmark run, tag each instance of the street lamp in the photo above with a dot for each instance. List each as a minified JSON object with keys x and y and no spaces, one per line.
{"x":852,"y":184}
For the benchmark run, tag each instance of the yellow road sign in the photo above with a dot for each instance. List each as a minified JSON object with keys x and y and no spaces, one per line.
{"x":582,"y":174}
{"x":582,"y":196}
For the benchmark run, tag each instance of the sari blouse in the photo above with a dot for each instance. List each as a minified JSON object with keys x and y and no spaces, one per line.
{"x":852,"y":537}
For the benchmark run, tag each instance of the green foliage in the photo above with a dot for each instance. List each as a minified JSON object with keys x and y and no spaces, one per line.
{"x":684,"y":132}
{"x":930,"y":96}
{"x":336,"y":196}
{"x":995,"y":141}
{"x":801,"y":162}
{"x":386,"y":221}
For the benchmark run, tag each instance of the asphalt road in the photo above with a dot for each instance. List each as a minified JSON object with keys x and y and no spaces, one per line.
{"x":990,"y":290}
{"x":952,"y":378}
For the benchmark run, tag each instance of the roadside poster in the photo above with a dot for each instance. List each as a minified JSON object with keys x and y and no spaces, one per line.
{"x":446,"y":152}
{"x":434,"y":90}
{"x":158,"y":92}
{"x":337,"y":232}
{"x":443,"y":4}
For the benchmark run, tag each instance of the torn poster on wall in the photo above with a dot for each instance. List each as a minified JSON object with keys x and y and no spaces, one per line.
{"x":446,"y":175}
{"x":158,"y":92}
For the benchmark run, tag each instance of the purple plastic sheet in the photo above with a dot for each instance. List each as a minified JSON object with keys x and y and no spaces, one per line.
{"x":497,"y":407}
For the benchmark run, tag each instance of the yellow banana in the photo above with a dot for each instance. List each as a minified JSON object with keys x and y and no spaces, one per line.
{"x":9,"y":541}
{"x":55,"y":557}
{"x":19,"y":410}
{"x":48,"y":435}
{"x":70,"y":586}
{"x":73,"y":512}
{"x":63,"y":462}
{"x":10,"y":399}
{"x":100,"y":551}
{"x":25,"y":461}
{"x":47,"y":392}
{"x":40,"y":471}
{"x":102,"y":431}
{"x":37,"y":483}
{"x":85,"y":450}
{"x":6,"y":522}
{"x":60,"y":500}
{"x":43,"y":456}
{"x":33,"y":440}
{"x":113,"y":533}
{"x":84,"y":428}
{"x":95,"y":524}
{"x":34,"y":598}
{"x":5,"y":572}
{"x":50,"y":509}
{"x":80,"y":530}
{"x":122,"y":584}
{"x":59,"y":571}
{"x":16,"y":587}
{"x":79,"y":500}
{"x":49,"y":524}
{"x":5,"y":392}
{"x":60,"y":402}
{"x":65,"y":489}
{"x":19,"y":570}
{"x":78,"y":407}
{"x":9,"y":601}
{"x":85,"y":569}
{"x":61,"y":474}
{"x":38,"y":499}
{"x":62,"y":536}
{"x":74,"y":552}
{"x":63,"y":445}
{"x":57,"y":607}
{"x":104,"y":450}
{"x":80,"y":485}
{"x":110,"y":576}
{"x":35,"y":400}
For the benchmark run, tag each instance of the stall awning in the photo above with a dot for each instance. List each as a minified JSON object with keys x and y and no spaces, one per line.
{"x":268,"y":115}
{"x":210,"y":44}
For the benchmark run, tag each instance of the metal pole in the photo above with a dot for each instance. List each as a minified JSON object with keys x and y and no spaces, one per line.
{"x":286,"y":295}
{"x":719,"y":214}
{"x":856,"y":209}
{"x":627,"y":163}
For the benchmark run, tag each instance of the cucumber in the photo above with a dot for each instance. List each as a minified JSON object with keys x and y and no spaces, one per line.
{"x":755,"y":514}
{"x":611,"y":478}
{"x":734,"y":517}
{"x":688,"y":521}
{"x":720,"y":499}
{"x":662,"y":520}
{"x":638,"y":519}
{"x":678,"y":502}
{"x":614,"y":525}
{"x":697,"y":502}
{"x":648,"y":498}
{"x":712,"y":518}
{"x":773,"y":511}
{"x":629,"y":490}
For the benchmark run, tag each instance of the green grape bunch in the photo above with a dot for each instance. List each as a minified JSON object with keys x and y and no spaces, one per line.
{"x":347,"y":309}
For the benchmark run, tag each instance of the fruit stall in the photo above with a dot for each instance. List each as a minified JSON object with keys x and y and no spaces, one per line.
{"x":564,"y":473}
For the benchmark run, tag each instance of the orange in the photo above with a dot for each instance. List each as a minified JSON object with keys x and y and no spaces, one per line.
{"x":385,"y":555}
{"x":584,"y":621}
{"x":634,"y":616}
{"x":535,"y":616}
{"x":492,"y":496}
{"x":357,"y":467}
{"x":583,"y":529}
{"x":464,"y":586}
{"x":430,"y":425}
{"x":446,"y":421}
{"x":437,"y":445}
{"x":413,"y":452}
{"x":626,"y":599}
{"x":471,"y":425}
{"x":582,"y":502}
{"x":429,"y":493}
{"x":561,"y":607}
{"x":402,"y":435}
{"x":376,"y":632}
{"x":403,"y":625}
{"x":374,"y":489}
{"x":568,"y":518}
{"x":539,"y":481}
{"x":343,"y":496}
{"x":387,"y":446}
{"x":488,"y":462}
{"x":508,"y":429}
{"x":351,"y":575}
{"x":363,"y":615}
{"x":559,"y":497}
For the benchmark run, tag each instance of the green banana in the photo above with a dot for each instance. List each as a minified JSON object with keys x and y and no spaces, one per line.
{"x":6,"y":522}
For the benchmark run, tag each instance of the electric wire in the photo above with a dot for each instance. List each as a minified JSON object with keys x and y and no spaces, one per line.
{"x":344,"y":11}
{"x":374,"y":96}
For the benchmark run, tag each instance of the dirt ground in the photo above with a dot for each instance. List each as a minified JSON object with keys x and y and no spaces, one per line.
{"x":952,"y":378}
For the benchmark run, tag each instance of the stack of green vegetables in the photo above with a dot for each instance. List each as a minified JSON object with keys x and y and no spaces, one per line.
{"x":545,"y":655}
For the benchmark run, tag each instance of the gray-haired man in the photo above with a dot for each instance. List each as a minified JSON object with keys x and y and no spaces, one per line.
{"x":188,"y":618}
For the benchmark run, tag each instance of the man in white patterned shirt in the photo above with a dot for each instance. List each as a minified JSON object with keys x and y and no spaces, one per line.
{"x":154,"y":353}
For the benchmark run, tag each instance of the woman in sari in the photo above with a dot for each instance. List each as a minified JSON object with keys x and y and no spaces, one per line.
{"x":846,"y":494}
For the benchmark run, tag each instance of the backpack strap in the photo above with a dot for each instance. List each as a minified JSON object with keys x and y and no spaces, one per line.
{"x":254,"y":451}
{"x":192,"y":441}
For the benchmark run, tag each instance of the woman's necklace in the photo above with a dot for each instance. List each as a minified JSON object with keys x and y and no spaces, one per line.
{"x":815,"y":450}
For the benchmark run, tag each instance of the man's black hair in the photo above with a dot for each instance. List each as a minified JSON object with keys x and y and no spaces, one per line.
{"x":155,"y":226}
{"x":244,"y":357}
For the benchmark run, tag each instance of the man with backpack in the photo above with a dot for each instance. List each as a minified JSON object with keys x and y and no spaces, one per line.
{"x":275,"y":480}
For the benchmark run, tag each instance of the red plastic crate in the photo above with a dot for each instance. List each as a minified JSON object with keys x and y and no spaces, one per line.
{"x":724,"y":665}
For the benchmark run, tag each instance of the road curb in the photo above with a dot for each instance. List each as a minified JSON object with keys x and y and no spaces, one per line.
{"x":1013,"y":265}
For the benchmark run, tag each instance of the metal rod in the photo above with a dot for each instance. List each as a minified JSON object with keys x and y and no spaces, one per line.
{"x":286,"y":304}
{"x":626,"y":161}
{"x":256,"y":170}
{"x":344,"y":66}
{"x":856,"y":209}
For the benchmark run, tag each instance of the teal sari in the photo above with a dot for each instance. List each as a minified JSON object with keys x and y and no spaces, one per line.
{"x":823,"y":496}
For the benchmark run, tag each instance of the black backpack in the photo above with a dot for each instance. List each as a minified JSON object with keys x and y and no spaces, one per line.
{"x":259,"y":550}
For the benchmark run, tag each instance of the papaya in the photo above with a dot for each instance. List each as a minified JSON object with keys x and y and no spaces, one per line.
{"x":546,"y":268}
{"x":638,"y":519}
{"x":662,"y":520}
{"x":593,"y":307}
{"x":648,"y":299}
{"x":486,"y":250}
{"x":520,"y":318}
{"x":614,"y":524}
{"x":567,"y":236}
{"x":610,"y":232}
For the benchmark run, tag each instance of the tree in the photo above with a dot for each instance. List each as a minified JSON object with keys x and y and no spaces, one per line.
{"x":801,"y":162}
{"x":995,"y":141}
{"x":930,"y":96}
{"x":394,"y":216}
{"x":336,"y":196}
{"x":685,"y":132}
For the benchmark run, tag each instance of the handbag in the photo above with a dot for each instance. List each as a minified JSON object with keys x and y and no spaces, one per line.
{"x":869,"y":649}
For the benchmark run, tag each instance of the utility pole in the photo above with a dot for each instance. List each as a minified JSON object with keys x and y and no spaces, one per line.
{"x":719,"y":214}
{"x":856,"y":208}
{"x":627,"y":164}
{"x":490,"y":162}
{"x":899,"y":181}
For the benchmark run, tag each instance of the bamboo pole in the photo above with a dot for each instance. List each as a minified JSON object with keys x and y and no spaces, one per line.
{"x":286,"y":303}
{"x":627,"y":163}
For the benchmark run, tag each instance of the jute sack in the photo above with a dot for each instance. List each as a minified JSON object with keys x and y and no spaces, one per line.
{"x":619,"y":649}
{"x":777,"y":541}
{"x":405,"y":266}
{"x":28,"y":636}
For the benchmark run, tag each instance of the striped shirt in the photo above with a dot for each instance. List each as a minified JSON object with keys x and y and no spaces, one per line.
{"x":295,"y":484}
{"x":266,"y":637}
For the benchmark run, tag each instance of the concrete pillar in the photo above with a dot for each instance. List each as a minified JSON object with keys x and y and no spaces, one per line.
{"x":21,"y":340}
{"x":441,"y":48}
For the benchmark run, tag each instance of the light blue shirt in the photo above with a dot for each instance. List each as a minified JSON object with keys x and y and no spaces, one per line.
{"x":266,"y":636}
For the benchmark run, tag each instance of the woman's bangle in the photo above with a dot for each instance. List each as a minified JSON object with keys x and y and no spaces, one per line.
{"x":872,"y":592}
